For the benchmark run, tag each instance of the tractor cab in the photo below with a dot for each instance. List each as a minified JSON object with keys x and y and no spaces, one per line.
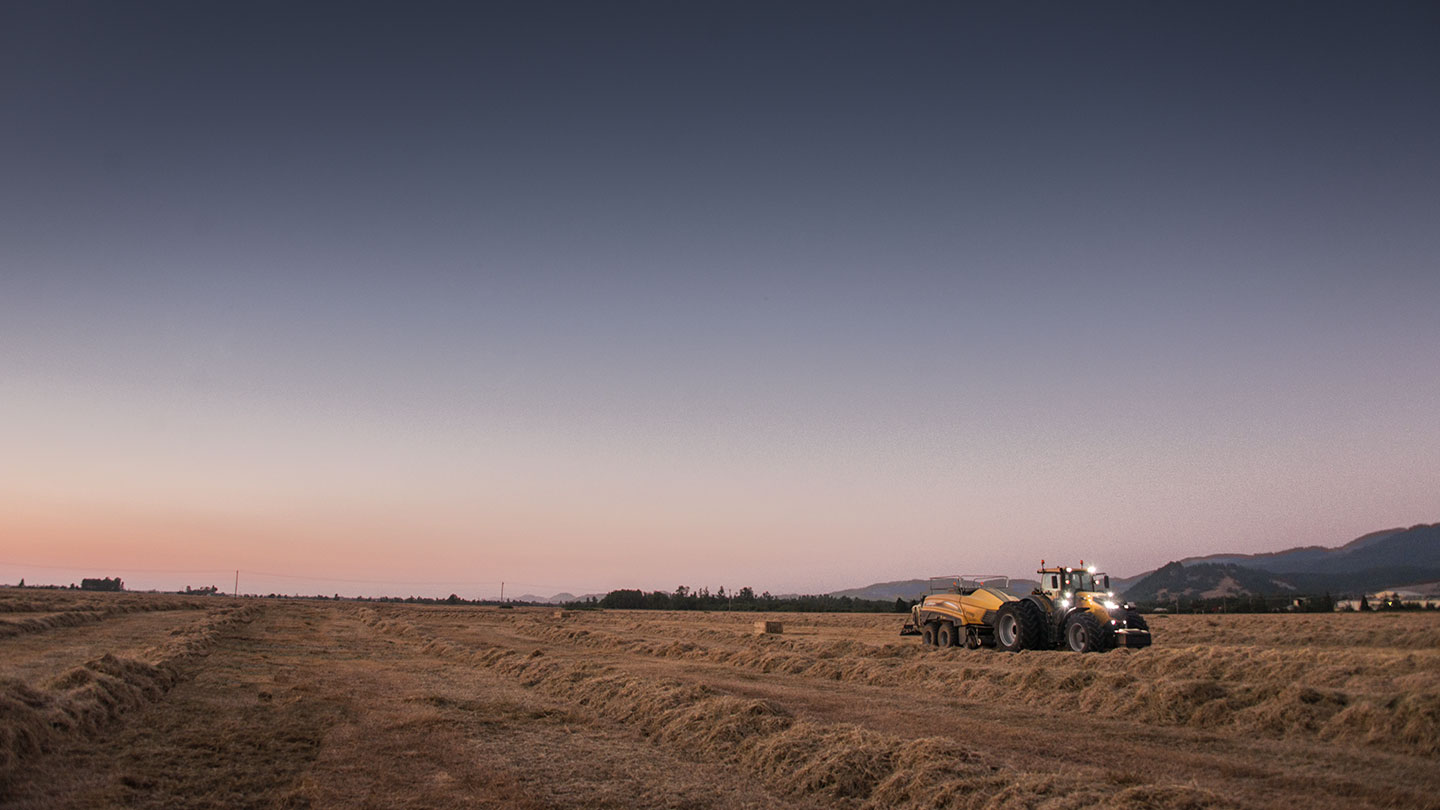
{"x":1062,"y":583}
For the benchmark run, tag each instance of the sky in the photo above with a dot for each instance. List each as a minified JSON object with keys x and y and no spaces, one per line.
{"x":419,"y":298}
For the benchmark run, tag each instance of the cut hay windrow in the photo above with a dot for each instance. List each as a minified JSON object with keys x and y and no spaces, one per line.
{"x":82,"y":616}
{"x":86,"y":698}
{"x":1400,"y":630}
{"x":1381,"y":698}
{"x":25,"y":606}
{"x":72,"y":618}
{"x":843,"y":765}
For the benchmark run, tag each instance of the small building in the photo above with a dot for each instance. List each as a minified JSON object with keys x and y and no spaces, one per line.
{"x":1400,"y":597}
{"x":1394,"y":598}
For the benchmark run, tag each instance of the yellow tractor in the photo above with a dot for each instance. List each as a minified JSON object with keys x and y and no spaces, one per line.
{"x":1072,"y":608}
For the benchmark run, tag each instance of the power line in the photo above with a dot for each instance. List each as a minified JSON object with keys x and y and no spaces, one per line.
{"x":123,"y":570}
{"x":447,"y":583}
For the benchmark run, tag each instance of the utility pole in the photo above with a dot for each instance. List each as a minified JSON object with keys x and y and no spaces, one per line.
{"x":502,"y":592}
{"x":237,"y":583}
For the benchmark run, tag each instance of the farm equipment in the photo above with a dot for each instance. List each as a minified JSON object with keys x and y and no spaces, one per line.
{"x":1072,"y":608}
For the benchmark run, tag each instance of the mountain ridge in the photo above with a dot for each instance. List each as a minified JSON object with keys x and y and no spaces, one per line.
{"x":1385,"y":559}
{"x":1379,"y":559}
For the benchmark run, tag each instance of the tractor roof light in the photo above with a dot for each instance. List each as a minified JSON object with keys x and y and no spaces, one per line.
{"x":1091,"y":569}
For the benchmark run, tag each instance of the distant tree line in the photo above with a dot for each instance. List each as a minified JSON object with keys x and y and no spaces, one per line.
{"x":71,"y":587}
{"x":1248,"y":603}
{"x":452,"y":599}
{"x":684,"y":598}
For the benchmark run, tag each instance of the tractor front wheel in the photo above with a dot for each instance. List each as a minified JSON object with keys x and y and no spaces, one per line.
{"x":1084,"y":634}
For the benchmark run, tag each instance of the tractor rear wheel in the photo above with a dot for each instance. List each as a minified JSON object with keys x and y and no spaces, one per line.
{"x":1019,"y":626}
{"x":927,"y":635}
{"x":1084,"y":634}
{"x":945,"y":636}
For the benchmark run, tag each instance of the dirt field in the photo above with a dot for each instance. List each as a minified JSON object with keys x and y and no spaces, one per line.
{"x":159,"y":702}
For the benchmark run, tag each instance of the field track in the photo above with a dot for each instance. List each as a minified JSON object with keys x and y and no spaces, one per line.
{"x":315,"y":704}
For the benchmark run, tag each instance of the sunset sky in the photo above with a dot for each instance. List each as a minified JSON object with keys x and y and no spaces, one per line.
{"x":416,"y":298}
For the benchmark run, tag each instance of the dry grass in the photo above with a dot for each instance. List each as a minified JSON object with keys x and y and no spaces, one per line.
{"x":90,"y":614}
{"x":323,"y":705}
{"x":84,"y":699}
{"x":834,"y":762}
{"x":1375,"y":695}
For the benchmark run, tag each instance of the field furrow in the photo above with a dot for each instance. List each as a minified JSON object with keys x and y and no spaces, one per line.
{"x":1015,"y":717}
{"x":1387,"y":698}
{"x":308,"y":707}
{"x":841,"y":762}
{"x":37,"y":658}
{"x":83,"y":699}
{"x":326,"y":705}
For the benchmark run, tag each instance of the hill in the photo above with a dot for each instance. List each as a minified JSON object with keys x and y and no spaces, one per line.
{"x":1319,"y":559}
{"x":557,"y":599}
{"x":1205,"y":581}
{"x":914,"y":589}
{"x":1379,"y":560}
{"x":900,"y":589}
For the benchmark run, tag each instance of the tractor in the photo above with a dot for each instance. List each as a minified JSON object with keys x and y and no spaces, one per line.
{"x":1072,"y":608}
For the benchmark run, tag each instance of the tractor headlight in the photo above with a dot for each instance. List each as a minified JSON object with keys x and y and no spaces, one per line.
{"x":1064,"y":603}
{"x":1109,"y":605}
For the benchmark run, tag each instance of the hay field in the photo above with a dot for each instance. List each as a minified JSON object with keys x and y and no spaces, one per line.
{"x":165,"y":702}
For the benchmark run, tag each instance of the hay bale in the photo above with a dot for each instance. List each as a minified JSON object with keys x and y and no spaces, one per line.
{"x":560,"y":614}
{"x":774,"y":628}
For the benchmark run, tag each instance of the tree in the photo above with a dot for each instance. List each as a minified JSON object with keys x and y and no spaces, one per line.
{"x":1364,"y":603}
{"x":901,"y":606}
{"x":22,"y":582}
{"x":106,"y":584}
{"x":628,"y":599}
